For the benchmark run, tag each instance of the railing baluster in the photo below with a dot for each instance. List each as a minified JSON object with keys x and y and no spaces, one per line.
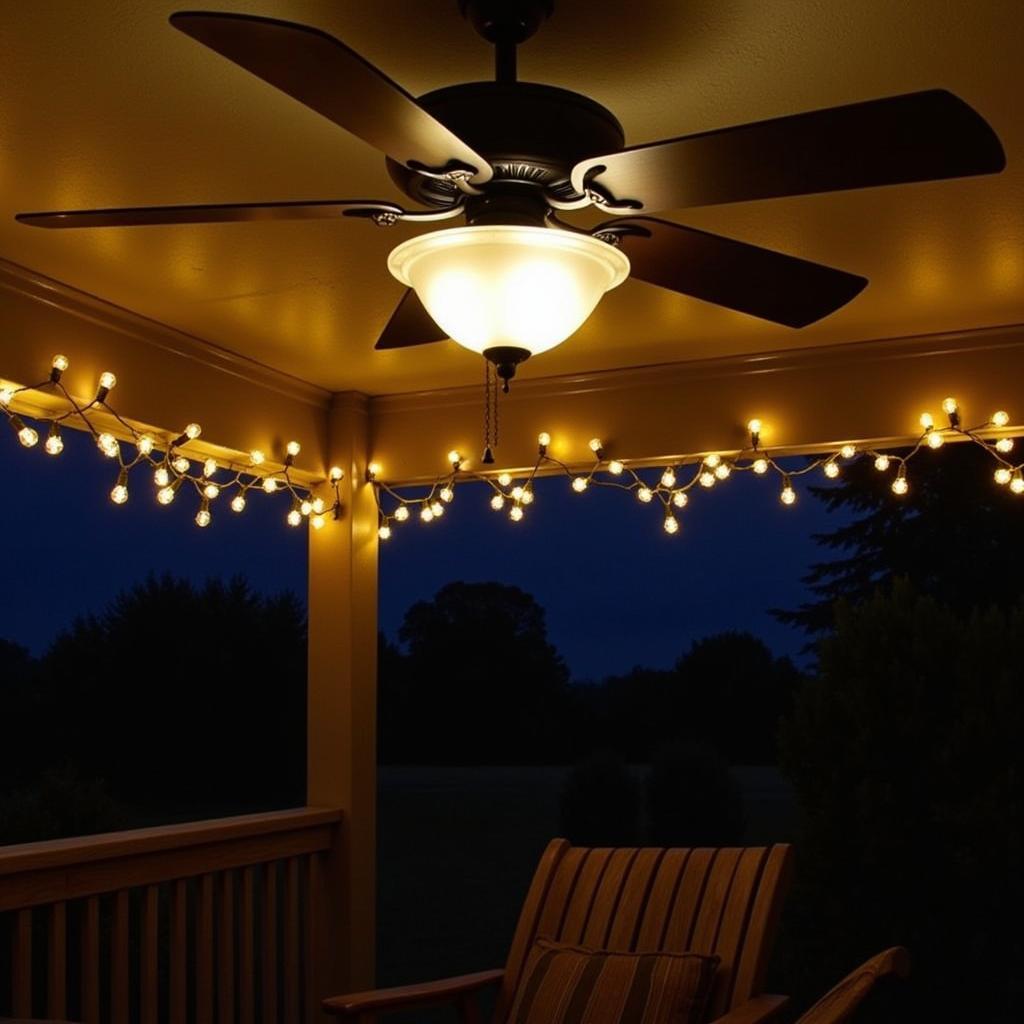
{"x":148,"y":969}
{"x":269,"y":974}
{"x":314,"y":936}
{"x":119,"y":959}
{"x":179,"y":952}
{"x":291,"y":941}
{"x":21,"y":965}
{"x":246,"y":983}
{"x":57,"y":966}
{"x":226,"y":951}
{"x":204,"y":951}
{"x":91,"y":961}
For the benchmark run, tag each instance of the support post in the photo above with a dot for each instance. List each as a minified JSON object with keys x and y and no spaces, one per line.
{"x":342,"y":711}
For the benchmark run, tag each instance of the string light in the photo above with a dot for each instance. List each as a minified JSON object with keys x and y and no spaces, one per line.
{"x":1004,"y":445}
{"x":1000,"y":418}
{"x":171,"y":469}
{"x":673,"y":483}
{"x":336,"y":474}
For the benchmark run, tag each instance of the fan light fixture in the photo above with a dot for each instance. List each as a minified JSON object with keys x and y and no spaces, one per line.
{"x":508,"y":292}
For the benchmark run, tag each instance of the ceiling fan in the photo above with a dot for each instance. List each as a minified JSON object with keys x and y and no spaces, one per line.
{"x":510,"y":156}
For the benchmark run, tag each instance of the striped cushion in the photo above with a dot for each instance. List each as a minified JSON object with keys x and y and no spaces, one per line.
{"x":570,"y":985}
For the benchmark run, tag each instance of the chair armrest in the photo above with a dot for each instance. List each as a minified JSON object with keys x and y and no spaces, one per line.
{"x":753,"y":1011}
{"x":382,"y":1000}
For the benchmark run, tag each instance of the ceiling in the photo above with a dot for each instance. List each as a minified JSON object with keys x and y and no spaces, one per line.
{"x":106,"y":105}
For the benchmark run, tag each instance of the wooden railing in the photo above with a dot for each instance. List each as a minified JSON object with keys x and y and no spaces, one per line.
{"x":184,"y":924}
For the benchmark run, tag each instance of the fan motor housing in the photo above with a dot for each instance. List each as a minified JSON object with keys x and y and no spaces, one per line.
{"x":531,"y":134}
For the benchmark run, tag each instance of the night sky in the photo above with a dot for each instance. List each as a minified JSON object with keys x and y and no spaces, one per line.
{"x":617,"y":590}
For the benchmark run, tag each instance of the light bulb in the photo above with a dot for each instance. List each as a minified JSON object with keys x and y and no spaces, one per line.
{"x":165,"y":495}
{"x":707,"y":479}
{"x":926,"y":421}
{"x":317,"y":522}
{"x":668,"y":479}
{"x":54,"y":442}
{"x":294,"y":517}
{"x":107,"y":444}
{"x":211,"y":491}
{"x":671,"y":524}
{"x":949,"y":406}
{"x":181,"y":465}
{"x":900,"y":486}
{"x":595,"y":445}
{"x":831,"y":469}
{"x":6,"y":396}
{"x":192,"y":431}
{"x":455,"y":458}
{"x":437,"y":508}
{"x":497,"y":502}
{"x":306,"y":507}
{"x":1017,"y":483}
{"x":108,"y":380}
{"x":293,"y":448}
{"x":336,"y":474}
{"x":318,"y":506}
{"x":144,"y":444}
{"x":427,"y":514}
{"x":1002,"y":475}
{"x":788,"y":495}
{"x":28,"y":437}
{"x":722,"y":470}
{"x":119,"y":495}
{"x":384,"y":532}
{"x":238,"y":503}
{"x":269,"y":485}
{"x":446,"y":494}
{"x":579,"y":484}
{"x":1004,"y":445}
{"x":644,"y":494}
{"x":256,"y":457}
{"x":402,"y":513}
{"x":517,"y":492}
{"x":935,"y":439}
{"x":760,"y":466}
{"x":882,"y":463}
{"x":527,"y":496}
{"x":848,"y":451}
{"x":504,"y":479}
{"x":754,"y":426}
{"x":615,"y":467}
{"x":161,"y":477}
{"x":209,"y":467}
{"x":373,"y":470}
{"x":203,"y":516}
{"x":712,"y":460}
{"x":1000,"y":418}
{"x":60,"y":364}
{"x":544,"y":439}
{"x":515,"y":513}
{"x":508,"y":286}
{"x":680,"y":499}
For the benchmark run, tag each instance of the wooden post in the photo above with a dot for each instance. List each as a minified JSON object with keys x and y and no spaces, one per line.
{"x":342,"y":712}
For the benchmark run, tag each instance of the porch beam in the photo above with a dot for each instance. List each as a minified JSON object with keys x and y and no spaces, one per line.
{"x":342,"y":705}
{"x":808,"y":398}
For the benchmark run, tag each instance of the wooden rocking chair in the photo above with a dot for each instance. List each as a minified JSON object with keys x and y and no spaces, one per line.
{"x":722,"y":901}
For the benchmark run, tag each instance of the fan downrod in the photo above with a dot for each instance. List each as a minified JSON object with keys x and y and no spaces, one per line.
{"x":505,"y":24}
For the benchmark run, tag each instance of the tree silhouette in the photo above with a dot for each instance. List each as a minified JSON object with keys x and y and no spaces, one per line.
{"x":955,"y":535}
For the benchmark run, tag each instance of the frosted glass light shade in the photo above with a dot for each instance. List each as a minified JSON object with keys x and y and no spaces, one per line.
{"x":493,"y":286}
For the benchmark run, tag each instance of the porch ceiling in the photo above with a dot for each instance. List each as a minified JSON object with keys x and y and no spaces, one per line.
{"x":106,"y":105}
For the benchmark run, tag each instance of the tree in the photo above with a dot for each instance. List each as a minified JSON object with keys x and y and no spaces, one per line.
{"x":955,"y":535}
{"x":600,"y":803}
{"x":905,"y":754}
{"x":483,"y":685}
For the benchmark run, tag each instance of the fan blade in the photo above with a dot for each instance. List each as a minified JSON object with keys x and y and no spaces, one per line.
{"x":325,"y":75}
{"x":410,"y":325}
{"x":223,"y":213}
{"x":921,"y":136}
{"x":747,"y":278}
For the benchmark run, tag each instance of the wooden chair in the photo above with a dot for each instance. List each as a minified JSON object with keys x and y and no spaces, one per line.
{"x":725,"y":901}
{"x":840,"y":1002}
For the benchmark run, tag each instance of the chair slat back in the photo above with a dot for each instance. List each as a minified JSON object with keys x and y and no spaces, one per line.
{"x":723,"y":901}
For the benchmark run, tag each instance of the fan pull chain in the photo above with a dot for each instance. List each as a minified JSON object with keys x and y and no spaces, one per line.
{"x":489,"y":393}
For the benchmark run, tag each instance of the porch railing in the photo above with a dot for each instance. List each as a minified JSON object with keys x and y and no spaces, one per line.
{"x":184,"y":924}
